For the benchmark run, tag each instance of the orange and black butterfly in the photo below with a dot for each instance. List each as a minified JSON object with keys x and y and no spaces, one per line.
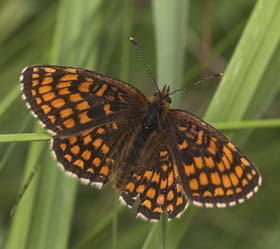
{"x":104,"y":128}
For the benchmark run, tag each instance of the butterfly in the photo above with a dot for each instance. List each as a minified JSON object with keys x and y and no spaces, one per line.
{"x":104,"y":129}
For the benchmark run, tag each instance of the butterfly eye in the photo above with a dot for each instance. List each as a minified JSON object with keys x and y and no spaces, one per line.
{"x":168,"y":100}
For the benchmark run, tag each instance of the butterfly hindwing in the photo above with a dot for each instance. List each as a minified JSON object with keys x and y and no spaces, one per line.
{"x":156,"y":184}
{"x":90,"y":155}
{"x":213,"y":171}
{"x":69,"y":100}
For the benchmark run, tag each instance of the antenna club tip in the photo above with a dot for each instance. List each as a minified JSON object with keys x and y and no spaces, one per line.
{"x":220,"y":74}
{"x":133,"y":41}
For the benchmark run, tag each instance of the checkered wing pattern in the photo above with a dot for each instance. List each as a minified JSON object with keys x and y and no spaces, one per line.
{"x":213,"y":171}
{"x":70,"y":100}
{"x":89,"y":156}
{"x":166,"y":158}
{"x":155,"y":182}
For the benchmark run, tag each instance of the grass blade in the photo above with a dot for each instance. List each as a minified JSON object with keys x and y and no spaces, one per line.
{"x":24,"y":211}
{"x":52,"y":210}
{"x":248,"y":64}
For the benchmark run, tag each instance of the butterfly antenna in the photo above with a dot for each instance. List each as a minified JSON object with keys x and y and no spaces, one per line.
{"x":214,"y":76}
{"x":23,"y":190}
{"x":142,"y":59}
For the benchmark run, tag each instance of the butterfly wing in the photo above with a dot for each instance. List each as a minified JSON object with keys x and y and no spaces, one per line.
{"x":90,"y":155}
{"x":155,"y":182}
{"x":212,"y":170}
{"x":70,"y":100}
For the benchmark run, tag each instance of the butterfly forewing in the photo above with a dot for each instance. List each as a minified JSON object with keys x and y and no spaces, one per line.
{"x":213,"y":171}
{"x":70,"y":100}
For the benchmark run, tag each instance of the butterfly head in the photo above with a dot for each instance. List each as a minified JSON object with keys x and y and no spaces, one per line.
{"x":162,"y":97}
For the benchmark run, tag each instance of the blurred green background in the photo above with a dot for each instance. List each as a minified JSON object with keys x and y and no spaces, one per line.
{"x":182,"y":42}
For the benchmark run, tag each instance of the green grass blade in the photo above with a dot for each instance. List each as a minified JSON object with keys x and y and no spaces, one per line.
{"x":126,"y":45}
{"x":248,"y":124}
{"x":24,"y":211}
{"x":9,"y":149}
{"x":9,"y":99}
{"x":8,"y":138}
{"x":52,"y":211}
{"x":177,"y":228}
{"x":170,"y":36}
{"x":152,"y":238}
{"x":268,"y":87}
{"x":88,"y":238}
{"x":248,"y":64}
{"x":53,"y":202}
{"x":27,"y":34}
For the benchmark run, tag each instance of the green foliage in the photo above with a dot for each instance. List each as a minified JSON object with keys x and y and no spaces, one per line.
{"x":55,"y":211}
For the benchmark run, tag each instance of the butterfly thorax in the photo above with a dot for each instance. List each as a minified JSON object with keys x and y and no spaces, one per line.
{"x":158,"y":106}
